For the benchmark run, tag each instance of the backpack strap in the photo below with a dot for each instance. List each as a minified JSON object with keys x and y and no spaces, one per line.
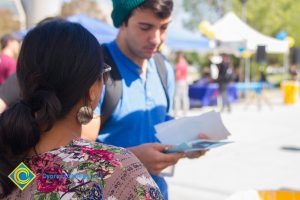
{"x":113,"y":88}
{"x":159,"y":60}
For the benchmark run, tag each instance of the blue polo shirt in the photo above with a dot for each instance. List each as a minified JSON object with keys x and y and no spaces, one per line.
{"x":143,"y":104}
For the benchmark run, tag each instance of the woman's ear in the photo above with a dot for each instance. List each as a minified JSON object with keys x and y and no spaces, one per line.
{"x":94,"y":93}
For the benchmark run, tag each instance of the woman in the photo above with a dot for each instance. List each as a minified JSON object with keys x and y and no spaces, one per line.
{"x":61,"y":72}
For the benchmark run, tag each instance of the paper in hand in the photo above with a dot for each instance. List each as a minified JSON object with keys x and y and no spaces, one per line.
{"x":177,"y":131}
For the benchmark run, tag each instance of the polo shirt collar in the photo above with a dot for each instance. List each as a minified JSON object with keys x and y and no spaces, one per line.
{"x":126,"y":61}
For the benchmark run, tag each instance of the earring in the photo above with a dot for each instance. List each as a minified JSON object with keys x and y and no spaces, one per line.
{"x":85,"y":115}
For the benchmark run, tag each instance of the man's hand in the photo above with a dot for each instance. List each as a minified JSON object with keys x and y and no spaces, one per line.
{"x":197,"y":154}
{"x":150,"y":154}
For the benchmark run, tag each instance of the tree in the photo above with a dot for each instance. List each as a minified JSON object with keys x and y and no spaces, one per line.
{"x":88,"y":7}
{"x":270,"y":17}
{"x":267,"y":16}
{"x":210,"y":10}
{"x":8,"y":22}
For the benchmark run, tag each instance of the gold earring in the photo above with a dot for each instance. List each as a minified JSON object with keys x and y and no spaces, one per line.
{"x":85,"y":115}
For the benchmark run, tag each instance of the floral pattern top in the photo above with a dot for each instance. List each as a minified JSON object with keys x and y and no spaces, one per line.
{"x":88,"y":170}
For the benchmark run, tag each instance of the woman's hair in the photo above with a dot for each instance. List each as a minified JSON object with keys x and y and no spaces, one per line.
{"x":58,"y":63}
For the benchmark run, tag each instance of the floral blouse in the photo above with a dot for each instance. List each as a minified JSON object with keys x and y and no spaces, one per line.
{"x":88,"y":170}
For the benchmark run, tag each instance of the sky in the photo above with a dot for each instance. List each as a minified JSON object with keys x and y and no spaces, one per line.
{"x":8,"y":4}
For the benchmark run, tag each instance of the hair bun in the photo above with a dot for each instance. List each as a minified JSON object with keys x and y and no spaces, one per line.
{"x":46,"y":107}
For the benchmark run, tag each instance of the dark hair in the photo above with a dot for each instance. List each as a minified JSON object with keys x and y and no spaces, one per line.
{"x":9,"y":37}
{"x":49,"y":19}
{"x":58,"y":63}
{"x":161,"y":8}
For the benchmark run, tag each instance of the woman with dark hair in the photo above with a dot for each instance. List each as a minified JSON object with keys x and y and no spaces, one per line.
{"x":60,"y":71}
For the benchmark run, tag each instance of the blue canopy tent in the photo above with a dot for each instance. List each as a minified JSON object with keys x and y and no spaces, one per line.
{"x":180,"y":39}
{"x":101,"y":30}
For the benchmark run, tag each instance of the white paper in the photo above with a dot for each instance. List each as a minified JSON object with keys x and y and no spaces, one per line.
{"x":185,"y":129}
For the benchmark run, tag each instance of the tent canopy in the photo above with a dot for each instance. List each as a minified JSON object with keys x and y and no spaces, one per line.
{"x":177,"y":39}
{"x":180,"y":39}
{"x":231,"y":30}
{"x":102,"y":31}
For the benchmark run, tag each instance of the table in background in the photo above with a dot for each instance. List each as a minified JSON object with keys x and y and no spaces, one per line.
{"x":207,"y":95}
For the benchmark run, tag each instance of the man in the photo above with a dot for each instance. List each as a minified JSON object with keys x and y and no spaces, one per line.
{"x":142,"y":29}
{"x":10,"y":45}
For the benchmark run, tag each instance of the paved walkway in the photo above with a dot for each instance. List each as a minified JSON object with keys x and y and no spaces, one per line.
{"x":265,"y":155}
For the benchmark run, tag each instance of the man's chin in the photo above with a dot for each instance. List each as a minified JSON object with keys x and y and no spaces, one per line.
{"x":148,"y":55}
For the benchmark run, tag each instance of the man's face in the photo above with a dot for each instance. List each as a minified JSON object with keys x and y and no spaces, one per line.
{"x":144,"y":33}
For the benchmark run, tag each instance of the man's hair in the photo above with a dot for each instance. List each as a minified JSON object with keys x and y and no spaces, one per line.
{"x":161,"y":8}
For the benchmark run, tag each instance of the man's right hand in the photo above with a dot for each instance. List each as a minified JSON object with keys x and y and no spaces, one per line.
{"x":152,"y":156}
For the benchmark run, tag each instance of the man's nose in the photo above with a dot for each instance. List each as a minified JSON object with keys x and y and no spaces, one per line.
{"x":156,"y":37}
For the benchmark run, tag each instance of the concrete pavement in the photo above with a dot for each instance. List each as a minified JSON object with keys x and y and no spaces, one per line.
{"x":265,"y":154}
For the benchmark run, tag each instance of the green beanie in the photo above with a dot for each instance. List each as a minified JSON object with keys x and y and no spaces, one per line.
{"x":122,"y":8}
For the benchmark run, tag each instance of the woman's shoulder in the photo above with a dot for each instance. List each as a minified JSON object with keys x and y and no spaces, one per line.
{"x":89,"y":170}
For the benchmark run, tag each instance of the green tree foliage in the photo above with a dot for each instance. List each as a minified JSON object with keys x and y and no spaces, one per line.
{"x":87,"y":7}
{"x":266,"y":16}
{"x":199,"y":10}
{"x":270,"y":17}
{"x":8,"y":22}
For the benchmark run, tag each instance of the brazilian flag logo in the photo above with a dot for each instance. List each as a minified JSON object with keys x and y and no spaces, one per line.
{"x":22,"y":176}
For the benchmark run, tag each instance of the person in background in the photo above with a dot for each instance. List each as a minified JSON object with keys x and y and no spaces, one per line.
{"x":10,"y":90}
{"x":10,"y":45}
{"x":293,"y":73}
{"x":61,"y":72}
{"x":205,"y":78}
{"x":181,"y":99}
{"x":224,"y":78}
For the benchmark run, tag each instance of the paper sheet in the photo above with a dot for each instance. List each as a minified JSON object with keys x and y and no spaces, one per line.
{"x":185,"y":129}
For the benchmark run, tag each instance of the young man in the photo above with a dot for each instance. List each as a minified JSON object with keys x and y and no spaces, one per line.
{"x":142,"y":29}
{"x":143,"y":104}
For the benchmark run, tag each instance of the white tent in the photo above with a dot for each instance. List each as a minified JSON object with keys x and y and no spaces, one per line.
{"x":232,"y":32}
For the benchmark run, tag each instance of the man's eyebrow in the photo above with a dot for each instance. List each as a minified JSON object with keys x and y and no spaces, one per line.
{"x":148,"y":24}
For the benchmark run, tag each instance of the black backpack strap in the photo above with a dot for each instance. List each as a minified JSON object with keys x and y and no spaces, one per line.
{"x":113,"y":88}
{"x":162,"y":71}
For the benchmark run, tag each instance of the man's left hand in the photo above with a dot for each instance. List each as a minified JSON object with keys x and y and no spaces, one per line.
{"x":197,"y":154}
